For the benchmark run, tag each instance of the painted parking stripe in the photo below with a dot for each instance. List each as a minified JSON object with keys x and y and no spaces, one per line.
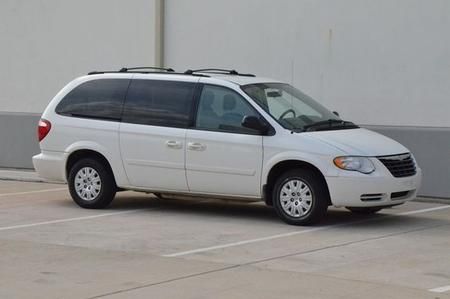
{"x":423,"y":210}
{"x":440,"y":289}
{"x":67,"y":220}
{"x":245,"y":242}
{"x":79,"y":218}
{"x":32,"y":192}
{"x":278,"y":236}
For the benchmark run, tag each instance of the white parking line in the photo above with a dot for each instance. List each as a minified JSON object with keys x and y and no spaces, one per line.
{"x":31,"y":192}
{"x":67,"y":220}
{"x":76,"y":218}
{"x":204,"y":249}
{"x":245,"y":242}
{"x":423,"y":210}
{"x":440,"y":289}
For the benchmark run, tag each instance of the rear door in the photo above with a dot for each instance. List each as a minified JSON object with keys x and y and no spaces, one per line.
{"x":222,"y":157}
{"x":153,"y":131}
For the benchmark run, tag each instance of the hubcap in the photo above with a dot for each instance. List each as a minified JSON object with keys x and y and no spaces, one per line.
{"x":296,"y":198}
{"x":88,"y":183}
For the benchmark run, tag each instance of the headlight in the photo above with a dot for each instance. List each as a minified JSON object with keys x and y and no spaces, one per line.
{"x":361,"y":164}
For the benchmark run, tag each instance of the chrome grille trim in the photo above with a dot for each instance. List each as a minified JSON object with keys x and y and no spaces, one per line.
{"x":401,"y":165}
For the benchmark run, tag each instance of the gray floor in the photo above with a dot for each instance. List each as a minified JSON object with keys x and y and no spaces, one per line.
{"x":147,"y":248}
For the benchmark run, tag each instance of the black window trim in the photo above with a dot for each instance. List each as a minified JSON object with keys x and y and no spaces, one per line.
{"x":196,"y":95}
{"x":198,"y":92}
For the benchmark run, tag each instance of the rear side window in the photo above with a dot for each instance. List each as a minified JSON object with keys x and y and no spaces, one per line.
{"x":99,"y":99}
{"x":159,"y":103}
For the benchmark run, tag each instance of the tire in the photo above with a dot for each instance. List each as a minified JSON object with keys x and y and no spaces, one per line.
{"x":308,"y":205}
{"x":91,"y":184}
{"x":364,"y":211}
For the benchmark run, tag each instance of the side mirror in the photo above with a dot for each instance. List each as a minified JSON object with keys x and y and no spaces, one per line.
{"x":335,"y":113}
{"x":255,"y":123}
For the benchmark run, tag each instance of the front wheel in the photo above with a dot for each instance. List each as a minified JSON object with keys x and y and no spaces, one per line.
{"x":91,"y":184}
{"x":300,"y":197}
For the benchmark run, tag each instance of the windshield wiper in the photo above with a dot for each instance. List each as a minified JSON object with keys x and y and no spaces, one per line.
{"x":328,"y":124}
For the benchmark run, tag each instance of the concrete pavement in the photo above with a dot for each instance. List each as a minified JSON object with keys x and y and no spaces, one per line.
{"x":142,"y":247}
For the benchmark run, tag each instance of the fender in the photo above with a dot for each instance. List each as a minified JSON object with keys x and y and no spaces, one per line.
{"x":323,"y":163}
{"x":116,"y":165}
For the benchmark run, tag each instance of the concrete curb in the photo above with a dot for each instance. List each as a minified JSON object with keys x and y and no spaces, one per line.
{"x":21,"y":175}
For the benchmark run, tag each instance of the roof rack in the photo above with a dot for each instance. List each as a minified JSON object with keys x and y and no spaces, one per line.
{"x":125,"y":69}
{"x":217,"y":71}
{"x":137,"y":70}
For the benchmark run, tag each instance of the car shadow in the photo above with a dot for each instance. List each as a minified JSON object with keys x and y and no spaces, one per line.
{"x":199,"y":207}
{"x":261,"y":212}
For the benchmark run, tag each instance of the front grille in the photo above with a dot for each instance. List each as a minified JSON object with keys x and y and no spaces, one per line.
{"x":399,"y":165}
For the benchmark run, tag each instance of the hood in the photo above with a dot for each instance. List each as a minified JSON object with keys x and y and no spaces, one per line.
{"x":360,"y":142}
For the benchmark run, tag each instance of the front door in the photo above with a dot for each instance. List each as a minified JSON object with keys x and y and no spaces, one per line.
{"x":222,"y":157}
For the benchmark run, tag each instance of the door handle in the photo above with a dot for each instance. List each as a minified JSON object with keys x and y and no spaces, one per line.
{"x":173,"y":144}
{"x":195,"y":146}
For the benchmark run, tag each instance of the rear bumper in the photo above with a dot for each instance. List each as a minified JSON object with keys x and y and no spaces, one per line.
{"x":368,"y":191}
{"x":51,"y":165}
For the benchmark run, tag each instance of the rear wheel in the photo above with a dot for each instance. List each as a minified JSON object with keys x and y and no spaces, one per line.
{"x":300,"y":197}
{"x":366,"y":211}
{"x":91,"y":184}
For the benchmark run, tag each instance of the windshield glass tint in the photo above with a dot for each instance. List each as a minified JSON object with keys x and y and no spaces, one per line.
{"x":289,"y":106}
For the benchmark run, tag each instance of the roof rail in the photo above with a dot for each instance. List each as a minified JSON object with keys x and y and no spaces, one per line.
{"x":125,"y":69}
{"x":217,"y":71}
{"x":137,"y":70}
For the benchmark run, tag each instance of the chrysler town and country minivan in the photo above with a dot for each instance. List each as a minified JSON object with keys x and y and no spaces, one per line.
{"x":217,"y":134}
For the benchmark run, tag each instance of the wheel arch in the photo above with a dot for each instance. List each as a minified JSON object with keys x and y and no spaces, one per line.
{"x":86,"y":153}
{"x":282,"y":166}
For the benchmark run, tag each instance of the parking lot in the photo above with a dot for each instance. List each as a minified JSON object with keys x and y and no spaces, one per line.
{"x":142,"y":247}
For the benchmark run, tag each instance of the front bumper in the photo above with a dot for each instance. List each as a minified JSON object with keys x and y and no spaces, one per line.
{"x":357,"y":190}
{"x":51,"y":165}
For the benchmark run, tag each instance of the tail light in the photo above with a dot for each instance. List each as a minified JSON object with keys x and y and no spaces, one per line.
{"x":44,"y":127}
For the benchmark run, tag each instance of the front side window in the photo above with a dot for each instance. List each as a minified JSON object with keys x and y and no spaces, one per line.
{"x":99,"y":99}
{"x":159,"y":103}
{"x":222,"y":109}
{"x":293,"y":109}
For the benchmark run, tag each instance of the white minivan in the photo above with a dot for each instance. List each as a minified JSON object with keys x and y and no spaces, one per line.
{"x":218,"y":134}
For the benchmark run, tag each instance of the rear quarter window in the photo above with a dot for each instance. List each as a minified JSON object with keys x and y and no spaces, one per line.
{"x":98,"y":99}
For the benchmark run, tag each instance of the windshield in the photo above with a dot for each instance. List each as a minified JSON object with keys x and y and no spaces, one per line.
{"x":293,"y":109}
